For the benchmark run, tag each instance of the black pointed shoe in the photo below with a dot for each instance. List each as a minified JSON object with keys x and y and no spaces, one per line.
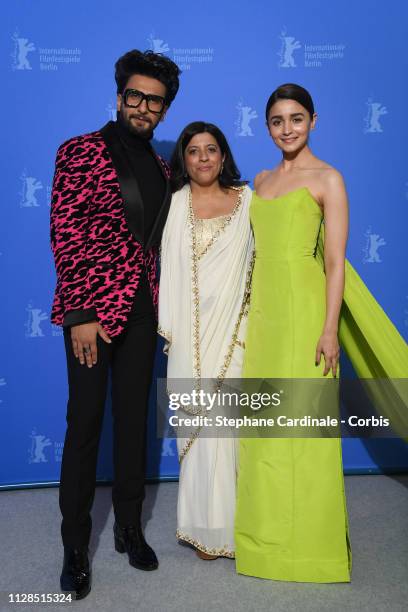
{"x":131,"y":540}
{"x":76,"y":573}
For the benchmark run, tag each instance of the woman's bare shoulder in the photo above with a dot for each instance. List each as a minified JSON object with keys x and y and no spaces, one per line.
{"x":261,"y":177}
{"x":327,"y":171}
{"x":332,"y":178}
{"x":327,"y":175}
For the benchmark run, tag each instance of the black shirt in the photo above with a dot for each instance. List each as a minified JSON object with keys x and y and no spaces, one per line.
{"x":145,"y":165}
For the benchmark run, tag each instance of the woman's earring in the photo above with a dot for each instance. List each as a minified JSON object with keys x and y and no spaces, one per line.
{"x":222,"y":167}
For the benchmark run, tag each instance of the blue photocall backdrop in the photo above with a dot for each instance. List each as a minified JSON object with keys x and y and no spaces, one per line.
{"x":57,"y":65}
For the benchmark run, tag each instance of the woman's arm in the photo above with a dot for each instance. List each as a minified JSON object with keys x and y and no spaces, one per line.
{"x":336,"y":231}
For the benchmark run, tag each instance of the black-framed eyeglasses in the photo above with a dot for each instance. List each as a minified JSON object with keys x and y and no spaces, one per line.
{"x":133,"y":98}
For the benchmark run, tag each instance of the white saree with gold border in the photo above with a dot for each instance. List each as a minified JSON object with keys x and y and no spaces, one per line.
{"x":203,"y":304}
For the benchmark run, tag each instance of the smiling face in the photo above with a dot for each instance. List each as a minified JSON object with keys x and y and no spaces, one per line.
{"x":141,"y":121}
{"x":203,"y":159}
{"x":289,"y":125}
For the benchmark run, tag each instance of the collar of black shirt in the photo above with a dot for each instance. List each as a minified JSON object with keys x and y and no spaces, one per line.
{"x":130,"y":139}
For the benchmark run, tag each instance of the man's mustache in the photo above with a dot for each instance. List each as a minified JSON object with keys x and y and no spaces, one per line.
{"x":142,"y":117}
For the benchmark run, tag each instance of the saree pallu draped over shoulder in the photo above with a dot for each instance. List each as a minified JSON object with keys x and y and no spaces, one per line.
{"x":203,"y":300}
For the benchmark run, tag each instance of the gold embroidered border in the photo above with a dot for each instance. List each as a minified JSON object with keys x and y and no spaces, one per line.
{"x":194,"y":268}
{"x":228,"y":356}
{"x":196,"y":311}
{"x":227,"y":220}
{"x":220,"y":552}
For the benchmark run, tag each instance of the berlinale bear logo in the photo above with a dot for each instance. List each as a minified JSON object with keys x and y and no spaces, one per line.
{"x":36,"y":450}
{"x":22,"y":47}
{"x":288,"y":47}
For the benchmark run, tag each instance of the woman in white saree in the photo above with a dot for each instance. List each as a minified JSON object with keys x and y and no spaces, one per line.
{"x":206,"y":262}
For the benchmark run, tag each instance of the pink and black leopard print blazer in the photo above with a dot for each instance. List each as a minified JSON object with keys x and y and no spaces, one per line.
{"x":97,"y":257}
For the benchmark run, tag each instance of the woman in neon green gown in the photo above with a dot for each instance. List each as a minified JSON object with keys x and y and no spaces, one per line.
{"x":291,"y":518}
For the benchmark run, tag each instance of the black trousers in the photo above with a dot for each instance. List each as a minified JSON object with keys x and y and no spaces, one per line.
{"x":130,"y":359}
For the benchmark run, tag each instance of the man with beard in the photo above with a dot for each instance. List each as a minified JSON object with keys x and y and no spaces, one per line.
{"x":110,"y":201}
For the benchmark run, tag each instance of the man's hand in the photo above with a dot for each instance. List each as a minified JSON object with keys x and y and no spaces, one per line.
{"x":84,"y":342}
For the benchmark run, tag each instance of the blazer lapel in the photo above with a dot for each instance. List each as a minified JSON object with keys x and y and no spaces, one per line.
{"x":132,"y":199}
{"x":157,"y":229}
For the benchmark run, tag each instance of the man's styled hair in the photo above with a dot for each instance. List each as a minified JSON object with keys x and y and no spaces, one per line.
{"x":148,"y":64}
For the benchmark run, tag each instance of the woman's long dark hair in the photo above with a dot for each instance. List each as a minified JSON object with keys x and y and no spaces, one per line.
{"x":229,"y":177}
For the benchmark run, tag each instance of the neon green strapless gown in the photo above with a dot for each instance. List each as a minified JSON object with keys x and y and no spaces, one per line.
{"x":291,"y":518}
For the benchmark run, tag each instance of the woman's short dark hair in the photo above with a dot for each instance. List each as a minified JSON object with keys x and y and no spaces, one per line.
{"x":291,"y":91}
{"x":230,"y":175}
{"x":149,"y":64}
